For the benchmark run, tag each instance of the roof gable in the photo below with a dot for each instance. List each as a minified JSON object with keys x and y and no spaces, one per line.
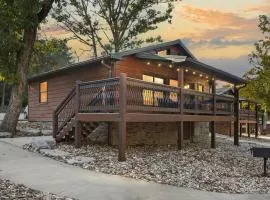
{"x":155,"y":47}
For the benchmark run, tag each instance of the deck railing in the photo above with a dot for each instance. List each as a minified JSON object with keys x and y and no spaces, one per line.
{"x":142,"y":96}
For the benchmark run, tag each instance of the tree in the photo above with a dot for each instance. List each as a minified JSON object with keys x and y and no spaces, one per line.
{"x":50,"y":55}
{"x":258,"y":87}
{"x":19,"y":22}
{"x":113,"y":25}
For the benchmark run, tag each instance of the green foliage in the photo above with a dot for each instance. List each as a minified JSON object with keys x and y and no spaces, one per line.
{"x":113,"y":25}
{"x":15,"y":17}
{"x":258,"y":87}
{"x":50,"y":55}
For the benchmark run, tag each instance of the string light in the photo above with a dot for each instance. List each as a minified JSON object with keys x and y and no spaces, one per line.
{"x":186,"y":70}
{"x":213,"y":79}
{"x":178,"y":69}
{"x":170,"y":66}
{"x":201,"y":75}
{"x":148,"y":63}
{"x":193,"y":73}
{"x":159,"y":64}
{"x":206,"y":77}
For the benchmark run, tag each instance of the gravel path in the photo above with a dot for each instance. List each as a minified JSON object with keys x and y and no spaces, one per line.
{"x":225,"y":169}
{"x":12,"y":191}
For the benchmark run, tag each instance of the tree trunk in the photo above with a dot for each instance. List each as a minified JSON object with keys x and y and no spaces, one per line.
{"x":15,"y":104}
{"x":3,"y":95}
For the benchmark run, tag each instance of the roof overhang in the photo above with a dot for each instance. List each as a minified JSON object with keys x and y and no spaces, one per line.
{"x":212,"y":71}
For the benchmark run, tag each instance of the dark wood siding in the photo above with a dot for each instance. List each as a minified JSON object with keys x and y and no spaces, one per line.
{"x":135,"y":68}
{"x":58,"y":88}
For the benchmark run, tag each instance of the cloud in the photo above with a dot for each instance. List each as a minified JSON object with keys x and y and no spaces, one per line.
{"x":216,"y":18}
{"x":213,"y":30}
{"x":216,"y":42}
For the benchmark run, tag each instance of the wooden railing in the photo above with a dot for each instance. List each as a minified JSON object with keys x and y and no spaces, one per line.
{"x":64,"y":112}
{"x":141,"y":96}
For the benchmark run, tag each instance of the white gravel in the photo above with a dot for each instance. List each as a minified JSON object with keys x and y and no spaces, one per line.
{"x":227,"y":168}
{"x":11,"y":191}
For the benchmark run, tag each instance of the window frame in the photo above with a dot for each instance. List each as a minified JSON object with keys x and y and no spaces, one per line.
{"x":41,"y":92}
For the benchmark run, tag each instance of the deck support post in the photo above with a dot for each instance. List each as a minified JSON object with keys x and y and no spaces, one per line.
{"x":78,"y":134}
{"x":213,"y":123}
{"x":232,"y":128}
{"x":248,"y":124}
{"x":257,"y":120}
{"x":213,"y":135}
{"x":237,"y":116}
{"x":55,"y":124}
{"x":181,"y":123}
{"x":123,"y":121}
{"x":78,"y":128}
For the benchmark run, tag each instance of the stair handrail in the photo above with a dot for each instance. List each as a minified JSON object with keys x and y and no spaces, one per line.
{"x":59,"y":108}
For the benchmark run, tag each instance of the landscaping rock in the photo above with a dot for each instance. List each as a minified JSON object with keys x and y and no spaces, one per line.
{"x":38,"y":144}
{"x":46,"y":132}
{"x":55,"y":153}
{"x":79,"y":160}
{"x":99,"y":135}
{"x":5,"y":135}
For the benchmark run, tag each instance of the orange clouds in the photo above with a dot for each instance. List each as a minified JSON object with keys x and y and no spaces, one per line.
{"x":216,"y":18}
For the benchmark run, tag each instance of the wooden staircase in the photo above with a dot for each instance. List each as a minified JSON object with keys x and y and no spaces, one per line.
{"x":68,"y":131}
{"x":64,"y":119}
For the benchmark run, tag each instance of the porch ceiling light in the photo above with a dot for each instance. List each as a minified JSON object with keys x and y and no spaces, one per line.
{"x":186,"y":70}
{"x":159,"y":64}
{"x":170,"y":65}
{"x":178,"y":69}
{"x":206,"y":77}
{"x":193,"y":73}
{"x":201,"y":75}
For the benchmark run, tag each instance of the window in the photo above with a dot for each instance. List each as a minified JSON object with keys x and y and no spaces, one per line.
{"x":43,"y":92}
{"x":149,"y":96}
{"x":200,"y":87}
{"x":173,"y":95}
{"x":162,"y":53}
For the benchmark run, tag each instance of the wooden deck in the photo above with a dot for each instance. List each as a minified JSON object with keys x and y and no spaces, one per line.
{"x":125,"y":99}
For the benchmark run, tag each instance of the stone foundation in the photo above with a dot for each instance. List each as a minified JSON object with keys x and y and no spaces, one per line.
{"x":223,"y":128}
{"x":160,"y":133}
{"x":34,"y":125}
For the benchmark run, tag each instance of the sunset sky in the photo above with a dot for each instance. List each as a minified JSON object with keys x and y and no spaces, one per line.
{"x":220,"y":33}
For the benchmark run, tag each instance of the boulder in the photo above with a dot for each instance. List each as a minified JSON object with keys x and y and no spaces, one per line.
{"x":42,"y":144}
{"x":99,"y":135}
{"x":5,"y":135}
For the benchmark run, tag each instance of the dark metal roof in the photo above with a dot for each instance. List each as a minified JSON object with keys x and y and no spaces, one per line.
{"x":145,"y":53}
{"x":218,"y":73}
{"x":67,"y":68}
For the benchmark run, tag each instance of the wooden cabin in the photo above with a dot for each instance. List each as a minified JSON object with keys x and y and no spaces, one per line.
{"x":160,"y":94}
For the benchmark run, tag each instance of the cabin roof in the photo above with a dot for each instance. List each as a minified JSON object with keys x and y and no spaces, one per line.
{"x":145,"y":53}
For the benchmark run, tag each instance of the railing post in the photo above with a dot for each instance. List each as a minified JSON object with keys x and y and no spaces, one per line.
{"x":180,"y":141}
{"x":122,"y":122}
{"x":78,"y":129}
{"x":55,"y":124}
